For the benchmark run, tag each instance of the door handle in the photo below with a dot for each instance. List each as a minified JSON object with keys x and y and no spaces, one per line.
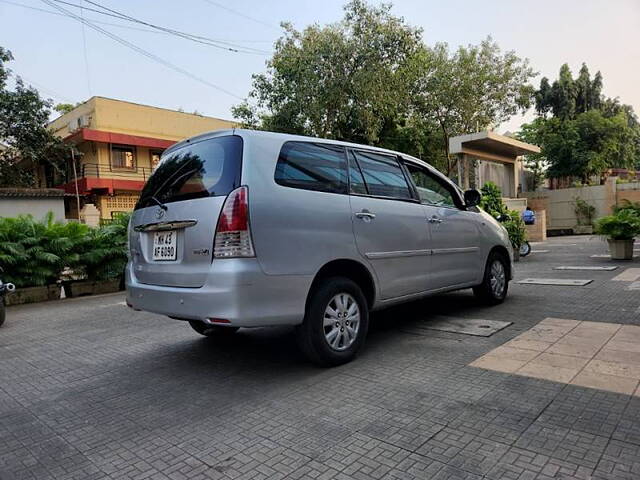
{"x":434,"y":219}
{"x":366,"y":214}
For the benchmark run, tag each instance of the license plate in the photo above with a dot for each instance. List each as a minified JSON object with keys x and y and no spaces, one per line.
{"x":165,"y":245}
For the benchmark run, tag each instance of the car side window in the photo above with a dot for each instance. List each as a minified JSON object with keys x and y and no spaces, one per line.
{"x":383,"y":175}
{"x":431,"y":190}
{"x":356,"y":179}
{"x":312,"y":166}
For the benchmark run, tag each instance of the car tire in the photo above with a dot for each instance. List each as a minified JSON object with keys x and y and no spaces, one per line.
{"x":212,"y":330}
{"x":335,"y":324}
{"x":495,"y":283}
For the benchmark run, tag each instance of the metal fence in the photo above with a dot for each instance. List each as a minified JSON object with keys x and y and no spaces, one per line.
{"x":107,"y":171}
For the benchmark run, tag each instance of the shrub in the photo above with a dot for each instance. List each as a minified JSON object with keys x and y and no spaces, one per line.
{"x":584,"y":211}
{"x":627,"y":205}
{"x":33,"y":253}
{"x":492,"y":204}
{"x":107,"y":256}
{"x":492,"y":200}
{"x":624,"y":224}
{"x":516,"y":229}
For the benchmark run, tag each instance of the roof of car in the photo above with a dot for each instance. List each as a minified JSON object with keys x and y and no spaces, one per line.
{"x":246,"y":133}
{"x":284,"y":136}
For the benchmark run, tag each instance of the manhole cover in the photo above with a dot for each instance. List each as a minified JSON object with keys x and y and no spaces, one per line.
{"x":465,"y":326}
{"x":608,"y":268}
{"x":567,"y":282}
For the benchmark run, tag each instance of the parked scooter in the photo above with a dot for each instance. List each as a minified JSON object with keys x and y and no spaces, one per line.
{"x":525,"y":248}
{"x":4,"y":289}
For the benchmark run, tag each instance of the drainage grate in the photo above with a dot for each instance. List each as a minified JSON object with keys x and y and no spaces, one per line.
{"x":465,"y":326}
{"x":568,"y":282}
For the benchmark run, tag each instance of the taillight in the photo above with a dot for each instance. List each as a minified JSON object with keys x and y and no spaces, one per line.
{"x":233,"y":236}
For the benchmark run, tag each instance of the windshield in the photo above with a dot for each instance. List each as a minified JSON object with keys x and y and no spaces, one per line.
{"x":209,"y":168}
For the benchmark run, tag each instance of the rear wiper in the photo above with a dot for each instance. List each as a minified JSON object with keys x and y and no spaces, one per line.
{"x":159,"y":203}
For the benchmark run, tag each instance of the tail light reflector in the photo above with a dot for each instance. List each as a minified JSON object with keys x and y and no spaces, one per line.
{"x":233,"y":235}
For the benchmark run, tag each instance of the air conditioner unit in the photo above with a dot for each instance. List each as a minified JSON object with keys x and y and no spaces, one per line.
{"x":84,"y":121}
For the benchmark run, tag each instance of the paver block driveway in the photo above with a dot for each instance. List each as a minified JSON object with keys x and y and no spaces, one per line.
{"x":92,"y":390}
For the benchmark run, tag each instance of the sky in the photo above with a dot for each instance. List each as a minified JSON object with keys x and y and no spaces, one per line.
{"x":69,"y":63}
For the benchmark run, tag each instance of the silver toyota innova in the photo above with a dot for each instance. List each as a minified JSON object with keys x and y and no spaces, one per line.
{"x":239,"y":228}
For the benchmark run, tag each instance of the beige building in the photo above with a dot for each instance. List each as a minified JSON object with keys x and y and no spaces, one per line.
{"x":119,"y":144}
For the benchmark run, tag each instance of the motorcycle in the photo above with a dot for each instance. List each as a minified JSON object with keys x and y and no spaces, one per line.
{"x":4,"y":289}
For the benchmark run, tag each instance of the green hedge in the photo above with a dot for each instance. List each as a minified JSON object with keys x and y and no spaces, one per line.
{"x":35,"y":252}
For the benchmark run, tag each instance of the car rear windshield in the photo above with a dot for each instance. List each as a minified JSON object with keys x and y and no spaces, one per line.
{"x":209,"y":168}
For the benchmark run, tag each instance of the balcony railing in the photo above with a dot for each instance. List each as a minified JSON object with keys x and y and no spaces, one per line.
{"x":96,"y":170}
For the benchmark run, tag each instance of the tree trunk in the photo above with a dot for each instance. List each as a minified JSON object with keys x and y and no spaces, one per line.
{"x":450,"y":164}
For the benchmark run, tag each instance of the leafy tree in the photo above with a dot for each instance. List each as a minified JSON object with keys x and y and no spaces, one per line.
{"x":63,"y":108}
{"x":543,"y":97}
{"x":563,"y":94}
{"x":583,"y":90}
{"x":341,"y":81}
{"x":370,"y":79}
{"x":586,"y":133}
{"x":475,"y":87}
{"x":24,"y":138}
{"x":585,"y":146}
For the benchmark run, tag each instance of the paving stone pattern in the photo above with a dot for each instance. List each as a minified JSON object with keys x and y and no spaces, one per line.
{"x":590,"y":354}
{"x":92,"y":390}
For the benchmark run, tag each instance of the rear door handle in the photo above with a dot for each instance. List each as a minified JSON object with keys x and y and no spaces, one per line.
{"x":366,"y":214}
{"x":434,"y":219}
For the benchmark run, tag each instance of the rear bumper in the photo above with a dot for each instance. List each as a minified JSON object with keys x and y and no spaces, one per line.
{"x":236,"y":290}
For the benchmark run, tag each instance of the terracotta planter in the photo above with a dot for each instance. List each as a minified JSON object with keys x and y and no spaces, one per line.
{"x":33,"y":295}
{"x":90,"y":287}
{"x":621,"y":249}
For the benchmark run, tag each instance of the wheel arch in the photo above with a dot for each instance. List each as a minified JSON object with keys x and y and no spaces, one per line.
{"x":502,"y":250}
{"x":350,"y":269}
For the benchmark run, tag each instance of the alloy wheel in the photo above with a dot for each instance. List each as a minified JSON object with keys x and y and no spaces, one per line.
{"x":497,"y":278}
{"x":341,"y":321}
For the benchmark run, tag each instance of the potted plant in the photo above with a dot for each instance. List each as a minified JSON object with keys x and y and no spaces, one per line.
{"x":620,"y":230}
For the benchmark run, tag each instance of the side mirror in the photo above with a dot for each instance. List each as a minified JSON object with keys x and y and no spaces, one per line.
{"x":503,"y":217}
{"x":472,"y":198}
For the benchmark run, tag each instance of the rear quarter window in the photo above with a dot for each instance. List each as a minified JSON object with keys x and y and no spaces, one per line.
{"x":312,"y":166}
{"x":209,"y":168}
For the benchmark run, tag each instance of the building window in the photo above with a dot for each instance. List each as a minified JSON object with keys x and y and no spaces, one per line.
{"x":155,"y":158}
{"x":123,"y":156}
